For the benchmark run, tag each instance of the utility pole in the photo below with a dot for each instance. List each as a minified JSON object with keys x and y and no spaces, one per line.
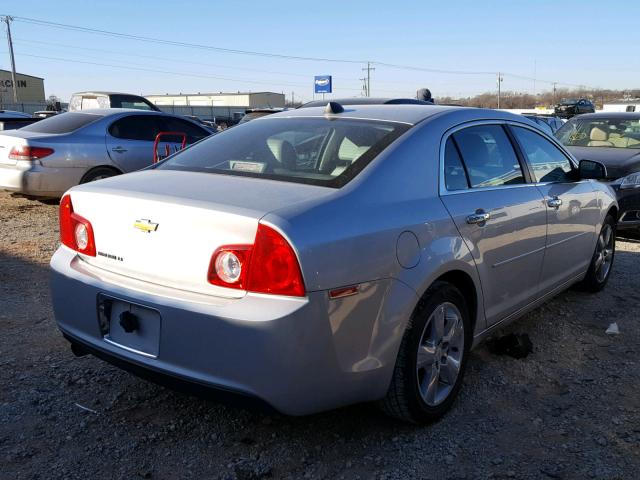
{"x":499,"y":85}
{"x":293,"y":99}
{"x":7,"y":19}
{"x":368,"y":69}
{"x":554,"y":92}
{"x":364,"y":86}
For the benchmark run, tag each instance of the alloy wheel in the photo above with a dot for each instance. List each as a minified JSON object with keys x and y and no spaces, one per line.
{"x":440,"y":353}
{"x":604,"y":253}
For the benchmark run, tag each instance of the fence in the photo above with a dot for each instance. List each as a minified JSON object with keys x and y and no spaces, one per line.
{"x":29,"y":108}
{"x":201,"y":111}
{"x":205,"y":112}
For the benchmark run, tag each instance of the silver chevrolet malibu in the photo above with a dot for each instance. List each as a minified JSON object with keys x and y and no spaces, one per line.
{"x":331,"y":255}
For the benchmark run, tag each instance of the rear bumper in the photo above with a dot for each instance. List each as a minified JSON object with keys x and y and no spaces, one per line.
{"x":182,"y":384}
{"x":31,"y":178}
{"x":299,"y":356}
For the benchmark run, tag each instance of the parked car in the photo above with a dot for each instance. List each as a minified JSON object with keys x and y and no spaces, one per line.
{"x":90,"y":100}
{"x":253,"y":113}
{"x":48,"y":157}
{"x":45,"y":113}
{"x":549,"y":123}
{"x":11,"y":114}
{"x":569,"y":108}
{"x":368,"y":101}
{"x":11,"y":120}
{"x":325,"y":256}
{"x":614,"y":140}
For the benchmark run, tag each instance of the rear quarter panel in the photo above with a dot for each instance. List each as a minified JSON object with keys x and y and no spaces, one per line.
{"x":352,"y":237}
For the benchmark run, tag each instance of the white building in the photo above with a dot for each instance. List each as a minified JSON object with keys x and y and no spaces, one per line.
{"x":240,"y":100}
{"x":622,"y":106}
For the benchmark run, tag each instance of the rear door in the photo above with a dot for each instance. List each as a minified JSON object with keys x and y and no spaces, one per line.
{"x":572,"y":208}
{"x":499,"y":214}
{"x":130,"y":140}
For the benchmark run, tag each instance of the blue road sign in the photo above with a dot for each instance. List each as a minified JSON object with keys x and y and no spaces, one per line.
{"x":322,"y":84}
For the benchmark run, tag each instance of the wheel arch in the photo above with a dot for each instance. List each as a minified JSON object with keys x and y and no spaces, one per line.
{"x":96,"y":167}
{"x":463,"y":282}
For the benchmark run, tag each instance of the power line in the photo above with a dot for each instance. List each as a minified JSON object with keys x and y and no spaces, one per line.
{"x":179,"y":44}
{"x":171,"y":72}
{"x":152,"y":57}
{"x":273,"y":55}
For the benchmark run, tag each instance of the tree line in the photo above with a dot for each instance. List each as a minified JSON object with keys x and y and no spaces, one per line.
{"x":510,"y":99}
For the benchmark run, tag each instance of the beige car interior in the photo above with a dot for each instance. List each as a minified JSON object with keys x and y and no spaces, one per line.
{"x":601,"y":138}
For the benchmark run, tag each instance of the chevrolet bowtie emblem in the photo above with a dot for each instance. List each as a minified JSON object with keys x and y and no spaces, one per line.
{"x":145,"y":225}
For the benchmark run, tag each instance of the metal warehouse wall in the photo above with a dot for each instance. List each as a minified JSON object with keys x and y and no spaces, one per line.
{"x":30,"y":89}
{"x":236,"y":100}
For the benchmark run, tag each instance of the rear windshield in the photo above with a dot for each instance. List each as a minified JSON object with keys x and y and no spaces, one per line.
{"x":318,"y":151}
{"x":63,"y":123}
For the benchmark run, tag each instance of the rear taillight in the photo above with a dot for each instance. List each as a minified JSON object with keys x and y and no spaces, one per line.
{"x":268,"y":266}
{"x":75,"y":231}
{"x":25,"y":152}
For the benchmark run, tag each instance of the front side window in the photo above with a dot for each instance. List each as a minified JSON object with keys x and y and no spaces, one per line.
{"x":548,"y":162}
{"x":136,"y":127}
{"x":488,"y":156}
{"x":320,"y":151}
{"x":193,"y":132}
{"x":613,"y":132}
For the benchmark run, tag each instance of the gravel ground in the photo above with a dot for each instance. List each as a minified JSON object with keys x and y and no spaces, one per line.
{"x":570,"y":410}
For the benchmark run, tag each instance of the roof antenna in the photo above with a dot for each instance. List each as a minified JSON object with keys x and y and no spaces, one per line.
{"x":334,"y":107}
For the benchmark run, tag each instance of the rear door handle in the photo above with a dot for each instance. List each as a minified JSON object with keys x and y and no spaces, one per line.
{"x":119,"y":150}
{"x":479,"y":217}
{"x":554,"y":202}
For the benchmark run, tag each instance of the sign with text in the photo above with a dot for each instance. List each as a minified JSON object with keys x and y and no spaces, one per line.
{"x":322,"y":84}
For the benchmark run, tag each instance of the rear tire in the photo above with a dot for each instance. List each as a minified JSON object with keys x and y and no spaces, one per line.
{"x":99,"y":173}
{"x":602,"y":261}
{"x":432,"y":358}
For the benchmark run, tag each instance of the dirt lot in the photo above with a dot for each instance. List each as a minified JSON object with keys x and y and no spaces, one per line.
{"x":570,"y":410}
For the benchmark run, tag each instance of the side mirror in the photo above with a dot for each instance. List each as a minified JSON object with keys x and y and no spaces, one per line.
{"x":588,"y":169}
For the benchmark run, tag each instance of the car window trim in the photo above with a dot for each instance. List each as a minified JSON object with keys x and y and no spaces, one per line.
{"x":442,"y":187}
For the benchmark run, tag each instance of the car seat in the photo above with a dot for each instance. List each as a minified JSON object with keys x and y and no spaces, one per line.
{"x":599,"y":138}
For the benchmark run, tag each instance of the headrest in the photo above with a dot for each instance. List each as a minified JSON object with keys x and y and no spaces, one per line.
{"x":598,"y":134}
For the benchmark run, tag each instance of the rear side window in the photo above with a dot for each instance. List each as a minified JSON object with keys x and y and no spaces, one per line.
{"x":454,"y":175}
{"x":548,"y":162}
{"x":318,"y":151}
{"x":136,"y":127}
{"x":63,"y":123}
{"x":488,"y":156}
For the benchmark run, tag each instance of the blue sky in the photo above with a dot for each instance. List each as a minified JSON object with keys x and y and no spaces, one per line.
{"x":571,"y":42}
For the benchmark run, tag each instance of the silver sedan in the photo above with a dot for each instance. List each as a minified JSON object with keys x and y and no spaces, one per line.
{"x":50,"y":156}
{"x":320,"y":257}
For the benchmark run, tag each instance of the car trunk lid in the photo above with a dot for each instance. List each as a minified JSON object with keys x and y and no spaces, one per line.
{"x":164,"y":226}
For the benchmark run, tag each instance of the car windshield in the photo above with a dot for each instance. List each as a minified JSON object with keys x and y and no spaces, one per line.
{"x":63,"y":123}
{"x":601,"y":132}
{"x":570,"y":101}
{"x":318,"y":151}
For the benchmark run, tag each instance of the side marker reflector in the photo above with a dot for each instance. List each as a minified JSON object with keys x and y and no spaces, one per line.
{"x":344,"y":292}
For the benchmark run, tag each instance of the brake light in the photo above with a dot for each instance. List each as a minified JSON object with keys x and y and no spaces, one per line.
{"x":268,"y":266}
{"x":75,"y":231}
{"x":25,"y":152}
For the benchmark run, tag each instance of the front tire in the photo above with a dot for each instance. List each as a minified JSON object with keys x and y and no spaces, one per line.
{"x":432,"y":358}
{"x":602,"y":261}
